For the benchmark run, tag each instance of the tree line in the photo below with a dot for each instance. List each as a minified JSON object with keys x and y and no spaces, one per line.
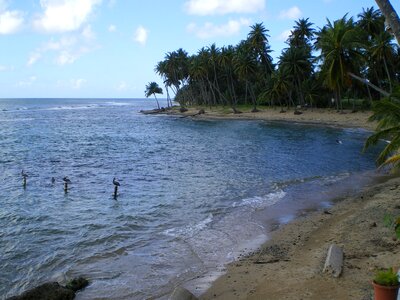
{"x":350,"y":57}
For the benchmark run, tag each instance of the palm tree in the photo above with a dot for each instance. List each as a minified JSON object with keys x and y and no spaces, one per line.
{"x":371,"y":22}
{"x":152,"y":89}
{"x":245,"y":66}
{"x":295,"y":62}
{"x":279,"y":88}
{"x":226,"y":63}
{"x":382,"y":52}
{"x":387,"y":113}
{"x":257,"y":40}
{"x":302,"y":34}
{"x":340,"y":45}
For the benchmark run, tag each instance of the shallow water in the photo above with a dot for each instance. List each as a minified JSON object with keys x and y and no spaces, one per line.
{"x":193,"y":193}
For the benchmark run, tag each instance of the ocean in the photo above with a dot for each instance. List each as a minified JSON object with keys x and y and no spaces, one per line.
{"x":194,"y":194}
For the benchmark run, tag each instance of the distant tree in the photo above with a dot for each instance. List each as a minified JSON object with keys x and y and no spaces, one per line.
{"x":152,"y":89}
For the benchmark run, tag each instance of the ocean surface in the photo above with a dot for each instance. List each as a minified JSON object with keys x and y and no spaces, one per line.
{"x":194,"y":194}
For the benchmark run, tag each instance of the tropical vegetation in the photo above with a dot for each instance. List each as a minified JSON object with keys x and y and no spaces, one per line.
{"x":349,"y":58}
{"x":152,"y":89}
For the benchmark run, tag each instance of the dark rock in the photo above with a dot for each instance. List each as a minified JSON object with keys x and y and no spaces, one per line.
{"x":77,"y":284}
{"x":254,"y":110}
{"x":282,"y":111}
{"x":201,"y":111}
{"x":183,"y":109}
{"x":297,"y":112}
{"x":47,"y":291}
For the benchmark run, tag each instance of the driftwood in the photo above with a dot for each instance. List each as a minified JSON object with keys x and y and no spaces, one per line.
{"x":334,"y":261}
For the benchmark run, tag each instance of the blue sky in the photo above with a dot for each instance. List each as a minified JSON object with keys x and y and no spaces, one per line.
{"x":108,"y":48}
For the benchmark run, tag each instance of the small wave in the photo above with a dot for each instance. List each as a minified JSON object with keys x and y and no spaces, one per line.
{"x":335,"y":178}
{"x":17,"y":120}
{"x":73,"y":107}
{"x":114,"y":103}
{"x":261,"y":201}
{"x":190,"y":230}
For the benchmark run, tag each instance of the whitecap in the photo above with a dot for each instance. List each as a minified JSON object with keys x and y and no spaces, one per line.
{"x":262,"y":201}
{"x":190,"y":230}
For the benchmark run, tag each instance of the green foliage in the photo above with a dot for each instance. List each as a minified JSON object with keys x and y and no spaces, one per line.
{"x":387,"y":114}
{"x":245,"y":73}
{"x":386,"y":278}
{"x":393,"y":222}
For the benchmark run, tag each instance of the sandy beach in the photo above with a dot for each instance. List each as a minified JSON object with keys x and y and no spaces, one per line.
{"x":290,"y":264}
{"x":317,"y":116}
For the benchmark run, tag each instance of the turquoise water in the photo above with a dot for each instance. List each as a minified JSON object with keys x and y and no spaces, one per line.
{"x":193,"y":193}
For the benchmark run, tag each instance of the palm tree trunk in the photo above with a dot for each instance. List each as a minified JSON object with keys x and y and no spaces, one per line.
{"x":301,"y":97}
{"x":168,"y":98}
{"x":157,"y":101}
{"x":233,"y":89}
{"x":391,"y":17}
{"x":388,"y":75}
{"x":366,"y":81}
{"x":253,"y":98}
{"x":245,"y":95}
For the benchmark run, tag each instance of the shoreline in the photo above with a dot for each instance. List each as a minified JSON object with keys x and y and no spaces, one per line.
{"x":294,"y":255}
{"x":289,"y":265}
{"x":314,"y":116}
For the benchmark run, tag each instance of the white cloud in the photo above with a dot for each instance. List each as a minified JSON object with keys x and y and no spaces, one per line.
{"x":33,"y":58}
{"x":67,"y":49}
{"x":25,"y":83}
{"x":210,"y":30}
{"x":291,"y":13}
{"x":64,"y":15}
{"x":122,"y":86}
{"x":141,"y":35}
{"x":4,"y":68}
{"x":112,"y":28}
{"x":88,"y":33}
{"x":10,"y":21}
{"x":76,"y":84}
{"x":284,"y":35}
{"x":222,"y":7}
{"x":3,"y":5}
{"x":111,"y":3}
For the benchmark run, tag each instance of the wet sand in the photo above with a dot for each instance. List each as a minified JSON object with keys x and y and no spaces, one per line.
{"x":289,"y":265}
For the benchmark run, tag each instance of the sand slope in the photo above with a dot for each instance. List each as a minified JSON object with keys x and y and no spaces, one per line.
{"x":289,"y":266}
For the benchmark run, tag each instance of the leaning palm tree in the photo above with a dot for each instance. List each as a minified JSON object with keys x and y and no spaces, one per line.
{"x":391,"y":16}
{"x":152,"y":89}
{"x":387,"y":113}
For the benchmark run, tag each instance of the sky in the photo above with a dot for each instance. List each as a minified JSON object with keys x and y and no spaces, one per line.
{"x":109,"y":48}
